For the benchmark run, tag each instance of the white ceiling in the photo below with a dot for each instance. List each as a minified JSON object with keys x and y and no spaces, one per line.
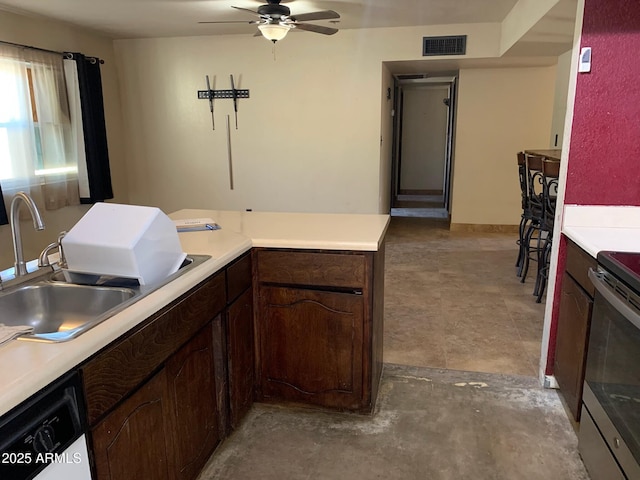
{"x":163,"y":18}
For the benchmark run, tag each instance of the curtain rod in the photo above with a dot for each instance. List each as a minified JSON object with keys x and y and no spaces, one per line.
{"x":67,"y":55}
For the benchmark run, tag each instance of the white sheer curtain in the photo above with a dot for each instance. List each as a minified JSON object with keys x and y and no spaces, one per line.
{"x":35,"y":130}
{"x":76,"y":145}
{"x":17,"y":133}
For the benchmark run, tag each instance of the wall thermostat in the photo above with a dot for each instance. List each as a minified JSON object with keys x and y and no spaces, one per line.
{"x":584,"y":64}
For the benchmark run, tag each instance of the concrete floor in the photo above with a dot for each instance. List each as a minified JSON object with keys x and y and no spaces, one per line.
{"x":459,"y":399}
{"x":430,"y":424}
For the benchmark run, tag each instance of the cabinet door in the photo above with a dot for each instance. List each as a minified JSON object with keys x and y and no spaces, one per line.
{"x":194,"y":418}
{"x":240,"y":346}
{"x":311,"y":346}
{"x":571,"y":342}
{"x":134,"y":441}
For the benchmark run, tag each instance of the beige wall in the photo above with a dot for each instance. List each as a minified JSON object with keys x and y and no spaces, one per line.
{"x":308,"y":138}
{"x":521,"y":19}
{"x":62,"y":37}
{"x":560,"y":100}
{"x":500,"y":112}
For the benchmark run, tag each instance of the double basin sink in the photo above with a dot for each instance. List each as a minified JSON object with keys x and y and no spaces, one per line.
{"x":60,"y":307}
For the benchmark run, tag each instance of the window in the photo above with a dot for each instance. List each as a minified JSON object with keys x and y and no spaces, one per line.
{"x":35,"y":128}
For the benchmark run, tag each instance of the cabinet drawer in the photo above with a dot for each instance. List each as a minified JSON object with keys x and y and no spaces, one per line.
{"x":124,"y":365}
{"x":312,"y":268}
{"x":594,"y":451}
{"x":238,"y":277}
{"x":578,"y":264}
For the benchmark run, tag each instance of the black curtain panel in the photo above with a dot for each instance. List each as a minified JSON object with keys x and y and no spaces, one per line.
{"x":3,"y":210}
{"x":95,"y":133}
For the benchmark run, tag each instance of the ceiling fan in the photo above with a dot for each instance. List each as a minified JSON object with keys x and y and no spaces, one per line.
{"x":276,"y":20}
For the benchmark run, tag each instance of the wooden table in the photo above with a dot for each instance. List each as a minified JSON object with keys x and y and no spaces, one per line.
{"x":553,"y":154}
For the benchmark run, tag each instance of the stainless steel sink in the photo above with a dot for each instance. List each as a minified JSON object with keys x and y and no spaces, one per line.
{"x":60,"y":310}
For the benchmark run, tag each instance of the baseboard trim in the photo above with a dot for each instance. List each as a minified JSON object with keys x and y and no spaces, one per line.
{"x":550,"y":382}
{"x":483,"y":228}
{"x":420,"y":192}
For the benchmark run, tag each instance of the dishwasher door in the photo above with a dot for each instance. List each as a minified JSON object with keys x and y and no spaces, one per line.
{"x":73,"y":464}
{"x":43,"y":437}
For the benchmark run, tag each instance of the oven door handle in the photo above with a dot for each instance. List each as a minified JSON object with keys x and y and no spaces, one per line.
{"x":615,"y":300}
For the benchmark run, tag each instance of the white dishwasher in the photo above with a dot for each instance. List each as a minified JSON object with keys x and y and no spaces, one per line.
{"x":43,"y":438}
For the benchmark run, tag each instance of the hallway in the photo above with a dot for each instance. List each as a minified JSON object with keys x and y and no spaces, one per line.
{"x":452,"y":300}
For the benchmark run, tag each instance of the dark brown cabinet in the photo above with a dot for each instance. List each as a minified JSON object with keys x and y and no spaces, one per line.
{"x":194,"y":416}
{"x":241,"y":361}
{"x":311,"y":343}
{"x":574,"y":319}
{"x":170,"y":426}
{"x":120,"y":368}
{"x":319,"y":326}
{"x":239,"y":340}
{"x":135,"y":440}
{"x":151,"y":396}
{"x":300,"y":326}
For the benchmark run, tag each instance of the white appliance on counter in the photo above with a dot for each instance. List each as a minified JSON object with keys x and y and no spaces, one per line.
{"x":129,"y":241}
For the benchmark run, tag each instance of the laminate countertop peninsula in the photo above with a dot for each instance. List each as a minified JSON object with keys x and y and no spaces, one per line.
{"x":27,"y":367}
{"x":600,"y":228}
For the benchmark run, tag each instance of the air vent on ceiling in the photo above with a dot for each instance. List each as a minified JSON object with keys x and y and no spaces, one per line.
{"x":449,"y":45}
{"x":411,"y":76}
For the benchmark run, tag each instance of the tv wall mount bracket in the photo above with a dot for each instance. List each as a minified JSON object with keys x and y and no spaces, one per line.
{"x":232,"y":93}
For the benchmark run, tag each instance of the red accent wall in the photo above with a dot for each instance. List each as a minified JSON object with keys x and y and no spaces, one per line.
{"x":604,"y":157}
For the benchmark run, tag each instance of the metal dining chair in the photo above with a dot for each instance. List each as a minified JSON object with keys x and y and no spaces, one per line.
{"x":531,"y":241}
{"x":550,"y":174}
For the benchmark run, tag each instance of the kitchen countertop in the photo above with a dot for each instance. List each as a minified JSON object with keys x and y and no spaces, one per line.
{"x":26,"y":367}
{"x":598,"y":228}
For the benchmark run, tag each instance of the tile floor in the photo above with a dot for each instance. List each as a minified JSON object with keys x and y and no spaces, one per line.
{"x":452,"y":303}
{"x":452,"y":300}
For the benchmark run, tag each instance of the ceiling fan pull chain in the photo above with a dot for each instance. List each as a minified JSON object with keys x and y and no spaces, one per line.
{"x":273,"y":51}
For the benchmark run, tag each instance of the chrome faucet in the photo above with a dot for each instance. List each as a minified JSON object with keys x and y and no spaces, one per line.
{"x":38,"y":224}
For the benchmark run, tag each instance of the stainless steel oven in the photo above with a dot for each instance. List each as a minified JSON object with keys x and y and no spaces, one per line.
{"x":609,"y":438}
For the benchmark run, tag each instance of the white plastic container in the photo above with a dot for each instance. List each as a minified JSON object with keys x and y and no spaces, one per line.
{"x":125,"y":241}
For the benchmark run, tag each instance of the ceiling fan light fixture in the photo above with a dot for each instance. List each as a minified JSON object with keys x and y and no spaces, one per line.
{"x":274,"y":31}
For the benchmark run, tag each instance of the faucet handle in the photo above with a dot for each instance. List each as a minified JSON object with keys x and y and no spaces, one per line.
{"x":62,"y":260}
{"x":43,"y":259}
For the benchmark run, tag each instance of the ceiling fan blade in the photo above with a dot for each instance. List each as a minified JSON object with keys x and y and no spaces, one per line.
{"x":323,"y":15}
{"x":316,"y":28}
{"x":246,"y":10}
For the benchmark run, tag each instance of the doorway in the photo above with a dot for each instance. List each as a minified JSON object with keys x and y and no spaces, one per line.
{"x":422,"y":156}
